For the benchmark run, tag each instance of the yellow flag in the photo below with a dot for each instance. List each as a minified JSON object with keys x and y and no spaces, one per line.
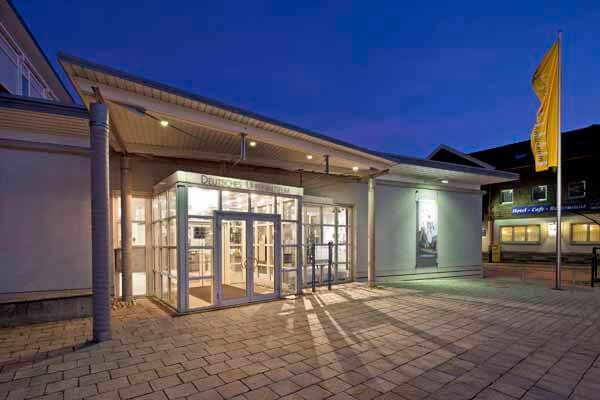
{"x":544,"y":136}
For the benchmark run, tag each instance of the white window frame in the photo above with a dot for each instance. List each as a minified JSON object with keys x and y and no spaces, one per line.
{"x":512,"y":196}
{"x":570,"y":197}
{"x":539,"y":200}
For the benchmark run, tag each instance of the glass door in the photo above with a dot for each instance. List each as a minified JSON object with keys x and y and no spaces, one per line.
{"x":247,"y":259}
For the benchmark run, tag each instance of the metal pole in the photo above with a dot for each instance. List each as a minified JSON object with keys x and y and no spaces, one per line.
{"x":126,"y":281}
{"x":371,"y":234}
{"x":100,"y":222}
{"x":313,"y":248}
{"x":330,"y":261}
{"x":559,"y":172}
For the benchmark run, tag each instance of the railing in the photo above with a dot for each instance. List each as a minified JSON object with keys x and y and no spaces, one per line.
{"x":312,"y":260}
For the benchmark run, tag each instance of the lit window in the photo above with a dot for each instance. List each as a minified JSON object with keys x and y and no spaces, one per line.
{"x":585,"y":233}
{"x":539,"y":193}
{"x":576,"y":190}
{"x":506,"y":196}
{"x":520,"y":234}
{"x":202,"y":201}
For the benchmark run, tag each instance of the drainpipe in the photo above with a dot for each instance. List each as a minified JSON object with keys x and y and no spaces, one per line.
{"x":126,"y":283}
{"x":100,"y":222}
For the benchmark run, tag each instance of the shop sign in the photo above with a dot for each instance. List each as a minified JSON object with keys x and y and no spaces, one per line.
{"x":240,"y":184}
{"x":548,"y":208}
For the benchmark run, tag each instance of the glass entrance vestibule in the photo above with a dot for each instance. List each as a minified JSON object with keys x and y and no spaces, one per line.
{"x":220,"y":241}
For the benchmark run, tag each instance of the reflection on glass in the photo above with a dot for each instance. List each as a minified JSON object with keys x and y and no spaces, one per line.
{"x":234,"y":264}
{"x":202,"y":201}
{"x":328,"y":234}
{"x":200,"y":232}
{"x":329,"y":215}
{"x":234,"y":201}
{"x":341,"y":214}
{"x":342,"y":235}
{"x":288,"y":233}
{"x":312,"y":234}
{"x":288,"y":270}
{"x":264,"y":257}
{"x":262,"y":204}
{"x":172,"y":198}
{"x":287,"y":208}
{"x":312,"y":215}
{"x":342,"y":253}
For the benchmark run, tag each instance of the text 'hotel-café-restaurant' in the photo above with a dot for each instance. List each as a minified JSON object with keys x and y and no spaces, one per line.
{"x":222,"y":202}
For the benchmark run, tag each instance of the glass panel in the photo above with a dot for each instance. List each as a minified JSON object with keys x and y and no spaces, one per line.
{"x":173,"y":293}
{"x":506,"y":233}
{"x":155,"y":210}
{"x":173,"y":232}
{"x":594,"y":233}
{"x":262,"y":204}
{"x":156,"y":234}
{"x":138,"y":204}
{"x":24,"y":85}
{"x":163,"y":234}
{"x":287,"y":208}
{"x":157,"y":259}
{"x":138,"y":234}
{"x":580,"y":232}
{"x":172,"y":202}
{"x":342,"y":235}
{"x":288,"y":233}
{"x":200,"y":264}
{"x":341,"y":214}
{"x":519,"y":233}
{"x":234,"y":201}
{"x":164,"y":287}
{"x":343,"y":272}
{"x":264,"y":257}
{"x":328,"y":234}
{"x":342,"y":253}
{"x":312,"y":215}
{"x":202,"y":201}
{"x":288,"y":269}
{"x":157,"y":284}
{"x":200,"y":232}
{"x":233,"y":265}
{"x":312,"y":234}
{"x":533,"y":233}
{"x":162,"y":200}
{"x":539,"y":193}
{"x":173,"y":261}
{"x":164,"y":262}
{"x":329,"y":215}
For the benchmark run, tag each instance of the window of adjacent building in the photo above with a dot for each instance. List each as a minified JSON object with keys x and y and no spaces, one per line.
{"x":25,"y":84}
{"x":9,"y":67}
{"x":506,"y":196}
{"x":526,"y":234}
{"x":585,"y":233}
{"x":539,"y":193}
{"x":576,"y":190}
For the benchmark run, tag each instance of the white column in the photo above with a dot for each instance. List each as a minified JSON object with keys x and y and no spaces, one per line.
{"x":371,"y":234}
{"x":100,"y":222}
{"x":127,"y":280}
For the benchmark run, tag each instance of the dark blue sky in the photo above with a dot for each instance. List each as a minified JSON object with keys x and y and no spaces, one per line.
{"x":385,"y":75}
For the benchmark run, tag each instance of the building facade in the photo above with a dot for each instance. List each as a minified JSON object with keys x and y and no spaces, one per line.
{"x":210,"y":205}
{"x":520,"y":216}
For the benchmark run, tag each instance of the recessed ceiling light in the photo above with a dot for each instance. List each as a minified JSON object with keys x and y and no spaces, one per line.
{"x":354,"y":169}
{"x":252,"y":143}
{"x":309,"y":157}
{"x":444,"y":181}
{"x":164,"y":123}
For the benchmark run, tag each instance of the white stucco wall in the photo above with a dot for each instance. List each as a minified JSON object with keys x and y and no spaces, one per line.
{"x":44,"y":221}
{"x":459,"y":239}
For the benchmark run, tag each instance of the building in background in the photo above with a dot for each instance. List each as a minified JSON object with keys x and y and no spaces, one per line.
{"x":520,"y":216}
{"x":24,"y":68}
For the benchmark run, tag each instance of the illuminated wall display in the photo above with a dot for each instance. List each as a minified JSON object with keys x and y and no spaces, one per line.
{"x":427,"y":229}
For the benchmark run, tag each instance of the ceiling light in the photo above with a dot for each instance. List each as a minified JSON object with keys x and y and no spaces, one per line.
{"x":252,"y":143}
{"x":309,"y":157}
{"x":444,"y":181}
{"x":164,"y":123}
{"x":354,"y":169}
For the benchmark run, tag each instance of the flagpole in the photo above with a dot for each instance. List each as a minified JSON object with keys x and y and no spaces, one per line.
{"x":559,"y":172}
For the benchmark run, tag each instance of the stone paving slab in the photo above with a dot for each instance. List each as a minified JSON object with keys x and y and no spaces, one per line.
{"x":443,"y":339}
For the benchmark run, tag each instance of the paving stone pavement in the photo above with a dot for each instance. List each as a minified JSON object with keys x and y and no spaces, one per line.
{"x":444,"y":339}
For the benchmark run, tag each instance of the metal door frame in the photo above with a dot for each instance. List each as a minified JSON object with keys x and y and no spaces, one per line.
{"x":249,"y":218}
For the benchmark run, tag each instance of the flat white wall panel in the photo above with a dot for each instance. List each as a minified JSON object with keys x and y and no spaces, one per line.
{"x":45,"y":221}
